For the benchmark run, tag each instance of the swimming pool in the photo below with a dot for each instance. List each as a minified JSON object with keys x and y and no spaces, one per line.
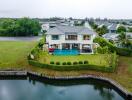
{"x":66,"y":52}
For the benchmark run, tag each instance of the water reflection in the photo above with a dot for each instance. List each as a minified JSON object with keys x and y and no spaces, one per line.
{"x":56,"y":90}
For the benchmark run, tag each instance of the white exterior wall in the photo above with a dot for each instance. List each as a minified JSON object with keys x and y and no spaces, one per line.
{"x":62,"y":40}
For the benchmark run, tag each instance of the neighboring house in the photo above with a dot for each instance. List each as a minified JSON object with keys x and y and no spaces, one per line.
{"x":51,"y":24}
{"x":111,"y":36}
{"x":70,"y":37}
{"x":129,"y":36}
{"x":112,"y":28}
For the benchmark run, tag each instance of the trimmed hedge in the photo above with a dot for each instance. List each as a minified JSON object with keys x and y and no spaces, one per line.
{"x":75,"y":63}
{"x":124,"y":51}
{"x":85,"y":62}
{"x":77,"y":67}
{"x":80,"y":62}
{"x":64,"y":63}
{"x":69,"y":63}
{"x":57,"y":63}
{"x":52,"y":62}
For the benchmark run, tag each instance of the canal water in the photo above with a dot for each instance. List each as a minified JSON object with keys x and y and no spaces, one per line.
{"x":30,"y":89}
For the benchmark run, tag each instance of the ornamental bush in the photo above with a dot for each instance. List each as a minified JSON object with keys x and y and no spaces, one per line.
{"x":75,"y":63}
{"x":80,"y":62}
{"x":85,"y":62}
{"x":52,"y":62}
{"x":64,"y":63}
{"x":57,"y":63}
{"x":69,"y":63}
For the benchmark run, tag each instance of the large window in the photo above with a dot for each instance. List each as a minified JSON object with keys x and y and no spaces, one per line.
{"x":86,"y":37}
{"x":71,"y":37}
{"x":55,"y":37}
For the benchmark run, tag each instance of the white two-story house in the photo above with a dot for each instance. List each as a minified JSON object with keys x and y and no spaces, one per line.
{"x":71,"y":37}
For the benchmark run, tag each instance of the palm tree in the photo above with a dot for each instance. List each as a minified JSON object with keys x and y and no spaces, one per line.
{"x":124,"y":41}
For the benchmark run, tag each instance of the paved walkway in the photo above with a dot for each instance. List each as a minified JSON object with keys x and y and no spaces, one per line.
{"x":34,"y":38}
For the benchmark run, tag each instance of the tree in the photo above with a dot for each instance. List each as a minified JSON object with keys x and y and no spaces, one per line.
{"x":19,"y":27}
{"x":102,"y":30}
{"x":121,"y":29}
{"x":130,"y":29}
{"x":124,"y":41}
{"x":93,"y":25}
{"x":28,"y":27}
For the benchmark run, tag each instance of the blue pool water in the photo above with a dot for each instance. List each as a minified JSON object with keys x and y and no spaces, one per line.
{"x":66,"y":52}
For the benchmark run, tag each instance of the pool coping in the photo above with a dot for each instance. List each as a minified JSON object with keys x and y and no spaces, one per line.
{"x":128,"y":95}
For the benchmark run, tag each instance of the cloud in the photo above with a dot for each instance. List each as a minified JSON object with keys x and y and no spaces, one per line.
{"x":66,"y":8}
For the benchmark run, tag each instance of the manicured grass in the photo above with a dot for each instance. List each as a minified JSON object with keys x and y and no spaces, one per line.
{"x":13,"y":54}
{"x":99,"y":59}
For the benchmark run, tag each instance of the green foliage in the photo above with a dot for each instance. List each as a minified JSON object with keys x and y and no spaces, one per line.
{"x":103,"y":50}
{"x":69,"y":63}
{"x":76,"y":23}
{"x":121,"y":29}
{"x":85,"y":62}
{"x":130,"y":29}
{"x":124,"y":41}
{"x":102,"y":30}
{"x":124,"y":51}
{"x":104,"y":43}
{"x":19,"y":27}
{"x":41,"y":43}
{"x":80,"y":62}
{"x":57,"y":63}
{"x":64,"y":63}
{"x":51,"y":62}
{"x":75,"y":63}
{"x":93,"y":25}
{"x":111,"y":48}
{"x":35,"y":52}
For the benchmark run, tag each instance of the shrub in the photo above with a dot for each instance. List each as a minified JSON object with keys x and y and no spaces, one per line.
{"x":124,"y":51}
{"x":69,"y":63}
{"x":102,"y":50}
{"x":51,"y":62}
{"x":41,"y":43}
{"x":75,"y":63}
{"x":85,"y":62}
{"x":57,"y":63}
{"x":103,"y":43}
{"x":80,"y":62}
{"x":64,"y":63}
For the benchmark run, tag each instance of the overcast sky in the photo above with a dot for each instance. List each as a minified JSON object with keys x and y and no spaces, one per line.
{"x":117,"y":9}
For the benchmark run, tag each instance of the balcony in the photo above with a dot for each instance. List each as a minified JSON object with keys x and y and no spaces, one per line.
{"x":71,"y":37}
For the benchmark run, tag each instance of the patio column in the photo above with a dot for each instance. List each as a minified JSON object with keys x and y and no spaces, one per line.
{"x":70,"y":46}
{"x":92,"y":48}
{"x":80,"y":46}
{"x":60,"y":46}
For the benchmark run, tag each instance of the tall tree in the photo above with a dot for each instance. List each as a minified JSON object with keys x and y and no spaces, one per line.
{"x":102,"y":30}
{"x":121,"y":29}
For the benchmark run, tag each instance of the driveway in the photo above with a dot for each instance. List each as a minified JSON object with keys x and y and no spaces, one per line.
{"x":33,"y":38}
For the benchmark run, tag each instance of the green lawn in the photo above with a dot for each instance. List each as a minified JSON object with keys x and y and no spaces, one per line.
{"x":14,"y":54}
{"x":99,"y":59}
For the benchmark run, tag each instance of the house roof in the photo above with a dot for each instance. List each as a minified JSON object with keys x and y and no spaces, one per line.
{"x":70,"y":30}
{"x":110,"y":36}
{"x":113,"y":27}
